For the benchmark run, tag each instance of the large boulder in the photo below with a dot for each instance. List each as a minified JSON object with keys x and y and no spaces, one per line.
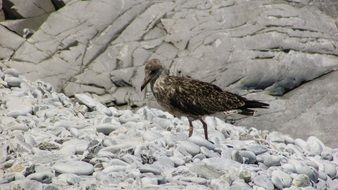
{"x":277,"y":49}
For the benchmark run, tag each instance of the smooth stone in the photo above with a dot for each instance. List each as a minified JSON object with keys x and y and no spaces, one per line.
{"x":79,"y":146}
{"x":149,"y":181}
{"x":200,"y":141}
{"x":257,"y":149}
{"x":42,"y":177}
{"x":269,"y":160}
{"x":3,"y":152}
{"x":190,"y":147}
{"x":302,"y":144}
{"x":209,"y":153}
{"x":151,"y":135}
{"x":263,"y":181}
{"x":333,"y":184}
{"x":12,"y":72}
{"x":281,"y":179}
{"x":164,"y":163}
{"x":245,"y":175}
{"x":314,"y":145}
{"x":149,"y":169}
{"x":307,"y":170}
{"x":70,"y":179}
{"x":205,"y":171}
{"x":107,"y":128}
{"x":13,"y":81}
{"x":177,"y":161}
{"x":26,"y":184}
{"x":117,"y":162}
{"x":240,"y":186}
{"x":17,"y":106}
{"x":93,"y":104}
{"x":301,"y":180}
{"x":114,"y":168}
{"x":195,"y":180}
{"x":330,"y":169}
{"x":244,"y":156}
{"x":290,"y":168}
{"x":74,"y":167}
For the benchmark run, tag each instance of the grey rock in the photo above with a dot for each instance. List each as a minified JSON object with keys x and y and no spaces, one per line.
{"x":107,"y":128}
{"x":12,"y":72}
{"x":246,"y":157}
{"x":330,"y":169}
{"x":269,"y":160}
{"x":257,"y":149}
{"x":149,"y":169}
{"x":281,"y":179}
{"x":245,"y":175}
{"x":18,"y":106}
{"x":209,"y":153}
{"x":190,"y":147}
{"x":29,"y":9}
{"x":71,"y":179}
{"x":240,"y":186}
{"x":93,"y":104}
{"x":301,"y":180}
{"x":205,"y":171}
{"x":26,"y":184}
{"x":41,"y":177}
{"x":74,"y":167}
{"x":309,"y":171}
{"x":333,"y":184}
{"x":263,"y":181}
{"x":314,"y":145}
{"x":201,"y":142}
{"x":149,"y":182}
{"x":13,"y":81}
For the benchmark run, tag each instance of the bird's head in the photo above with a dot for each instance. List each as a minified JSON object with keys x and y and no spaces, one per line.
{"x":152,"y":71}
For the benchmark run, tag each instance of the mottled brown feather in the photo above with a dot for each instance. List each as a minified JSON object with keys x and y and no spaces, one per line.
{"x":194,"y":98}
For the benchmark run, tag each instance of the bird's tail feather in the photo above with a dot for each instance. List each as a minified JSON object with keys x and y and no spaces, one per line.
{"x":255,"y":104}
{"x":251,"y":104}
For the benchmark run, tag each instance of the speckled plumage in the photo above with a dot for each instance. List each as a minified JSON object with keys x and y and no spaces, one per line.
{"x":192,"y":98}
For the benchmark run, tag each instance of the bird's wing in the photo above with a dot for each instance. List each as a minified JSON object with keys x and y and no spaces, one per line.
{"x":201,"y":98}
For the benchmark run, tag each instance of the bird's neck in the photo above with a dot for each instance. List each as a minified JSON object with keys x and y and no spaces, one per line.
{"x":158,"y":75}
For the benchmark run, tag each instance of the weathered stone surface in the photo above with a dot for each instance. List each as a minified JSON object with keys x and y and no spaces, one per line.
{"x":287,"y":48}
{"x":27,"y":9}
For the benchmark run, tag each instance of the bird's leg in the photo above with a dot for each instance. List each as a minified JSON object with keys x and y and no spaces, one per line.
{"x":191,"y":128}
{"x":205,"y":127}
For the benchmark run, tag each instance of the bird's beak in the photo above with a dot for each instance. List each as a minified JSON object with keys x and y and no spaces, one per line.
{"x":146,"y":81}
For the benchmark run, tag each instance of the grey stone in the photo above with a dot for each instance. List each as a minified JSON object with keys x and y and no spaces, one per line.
{"x":205,"y":171}
{"x":281,"y":179}
{"x":201,"y":142}
{"x":240,"y":186}
{"x":301,"y":180}
{"x":149,"y":169}
{"x":314,"y":145}
{"x":41,"y":177}
{"x":257,"y":149}
{"x":190,"y":147}
{"x":330,"y":169}
{"x":13,"y":81}
{"x":69,"y":178}
{"x":18,"y":106}
{"x":107,"y":128}
{"x":74,"y":167}
{"x":93,"y":104}
{"x":263,"y":181}
{"x":246,"y":157}
{"x":269,"y":160}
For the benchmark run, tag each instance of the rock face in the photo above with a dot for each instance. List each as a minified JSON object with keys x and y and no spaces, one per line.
{"x":54,"y":143}
{"x":286,"y":48}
